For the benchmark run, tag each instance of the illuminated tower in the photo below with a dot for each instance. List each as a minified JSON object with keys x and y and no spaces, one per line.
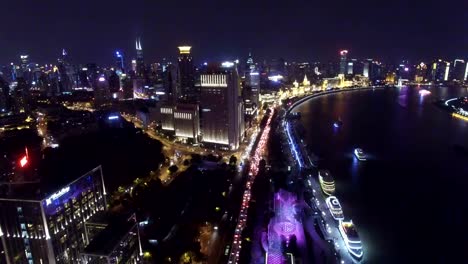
{"x":343,"y":61}
{"x":186,"y":73}
{"x":140,"y":64}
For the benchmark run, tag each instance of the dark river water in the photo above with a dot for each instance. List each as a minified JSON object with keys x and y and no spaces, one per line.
{"x":409,"y":201}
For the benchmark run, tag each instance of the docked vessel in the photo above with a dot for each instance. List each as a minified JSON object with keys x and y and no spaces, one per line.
{"x":327,"y":183}
{"x":360,"y":155}
{"x":335,"y":208}
{"x":351,"y":237}
{"x":338,"y":123}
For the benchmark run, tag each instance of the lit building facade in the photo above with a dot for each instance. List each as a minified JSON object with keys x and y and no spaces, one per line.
{"x":50,"y":229}
{"x":222,"y":121}
{"x":187,"y":121}
{"x":181,"y":120}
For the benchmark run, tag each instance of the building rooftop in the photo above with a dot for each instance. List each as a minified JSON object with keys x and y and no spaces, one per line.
{"x":108,"y":239}
{"x":47,"y":186}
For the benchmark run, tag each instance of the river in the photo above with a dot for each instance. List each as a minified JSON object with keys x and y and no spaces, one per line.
{"x":409,"y":200}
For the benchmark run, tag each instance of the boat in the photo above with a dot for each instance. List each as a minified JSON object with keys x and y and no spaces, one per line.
{"x":335,"y":208}
{"x":338,"y":124}
{"x":351,"y":238}
{"x":327,"y":183}
{"x":360,"y":155}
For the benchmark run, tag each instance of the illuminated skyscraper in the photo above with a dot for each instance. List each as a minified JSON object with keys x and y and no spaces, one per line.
{"x":222,"y":122}
{"x":186,"y":74}
{"x":343,"y":61}
{"x":140,"y":64}
{"x":48,"y":227}
{"x":119,"y":62}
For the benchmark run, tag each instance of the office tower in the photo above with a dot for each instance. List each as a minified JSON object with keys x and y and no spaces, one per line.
{"x":47,"y":226}
{"x":421,"y":72}
{"x":186,"y":74}
{"x":170,"y":83}
{"x":343,"y":61}
{"x":127,"y":86}
{"x":102,"y":95}
{"x":222,"y":122}
{"x":134,"y":66}
{"x":21,"y":96}
{"x":24,"y":61}
{"x":114,"y":84}
{"x":250,"y":65}
{"x":140,"y":64}
{"x":5,"y":98}
{"x":119,"y":62}
{"x":366,"y":68}
{"x":439,"y":70}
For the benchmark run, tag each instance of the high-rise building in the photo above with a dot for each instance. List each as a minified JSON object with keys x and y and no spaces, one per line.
{"x":140,"y":63}
{"x":186,"y":74}
{"x":5,"y":98}
{"x":48,"y":226}
{"x":112,"y":239}
{"x":458,"y":70}
{"x":343,"y":61}
{"x":170,"y":83}
{"x":439,"y":70}
{"x":222,"y":122}
{"x":119,"y":62}
{"x":102,"y":95}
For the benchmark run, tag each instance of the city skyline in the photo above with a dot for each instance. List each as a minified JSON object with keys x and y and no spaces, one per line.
{"x":317,"y":32}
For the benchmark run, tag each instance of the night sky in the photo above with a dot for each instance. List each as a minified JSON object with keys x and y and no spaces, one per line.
{"x":91,"y":30}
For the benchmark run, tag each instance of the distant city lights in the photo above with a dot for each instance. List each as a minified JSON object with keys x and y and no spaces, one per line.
{"x":102,"y":79}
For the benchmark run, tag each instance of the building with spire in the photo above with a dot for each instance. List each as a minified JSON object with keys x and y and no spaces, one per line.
{"x":306,"y":81}
{"x":140,"y":64}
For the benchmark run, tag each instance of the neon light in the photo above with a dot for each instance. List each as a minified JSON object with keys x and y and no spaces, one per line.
{"x":114,"y":117}
{"x":24,"y":161}
{"x":102,"y":79}
{"x":450,"y":100}
{"x":57,"y":195}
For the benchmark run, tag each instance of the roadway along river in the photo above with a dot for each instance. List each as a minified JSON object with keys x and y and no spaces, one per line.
{"x":409,"y":200}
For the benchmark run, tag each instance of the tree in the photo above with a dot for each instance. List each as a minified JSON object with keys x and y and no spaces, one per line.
{"x":173,"y":169}
{"x":233,"y":160}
